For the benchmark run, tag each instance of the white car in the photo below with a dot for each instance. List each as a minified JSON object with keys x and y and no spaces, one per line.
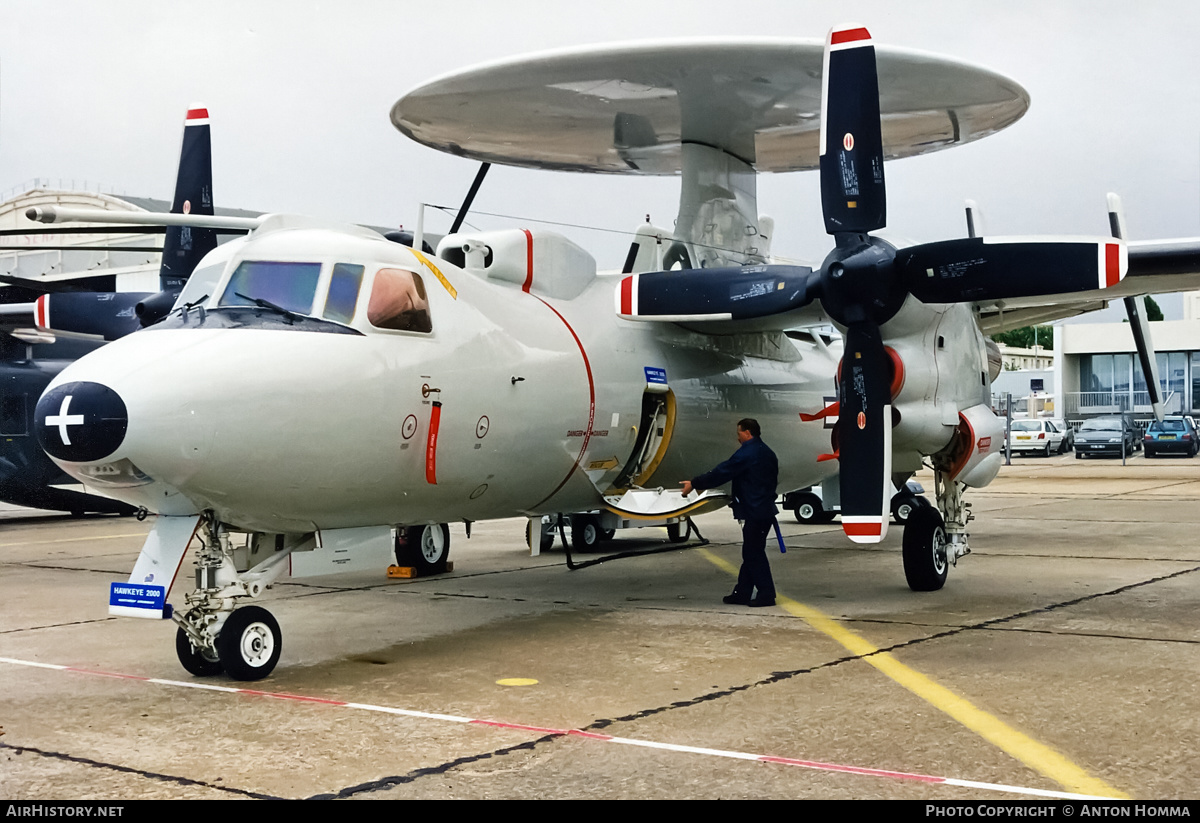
{"x":1038,"y":435}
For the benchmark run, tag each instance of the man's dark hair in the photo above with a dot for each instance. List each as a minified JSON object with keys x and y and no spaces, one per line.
{"x":749,"y":424}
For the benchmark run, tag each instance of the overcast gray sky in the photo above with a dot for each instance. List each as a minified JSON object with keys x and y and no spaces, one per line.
{"x":299,"y":93}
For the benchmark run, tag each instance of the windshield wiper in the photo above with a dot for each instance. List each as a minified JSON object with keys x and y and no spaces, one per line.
{"x":290,"y":317}
{"x":186,"y":308}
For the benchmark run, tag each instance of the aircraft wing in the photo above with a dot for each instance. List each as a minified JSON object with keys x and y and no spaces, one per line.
{"x":1155,"y":267}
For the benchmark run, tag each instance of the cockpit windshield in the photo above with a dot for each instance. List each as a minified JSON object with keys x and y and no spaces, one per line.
{"x":290,"y":286}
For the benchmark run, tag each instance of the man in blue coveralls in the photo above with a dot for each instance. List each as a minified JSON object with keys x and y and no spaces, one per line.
{"x":754,"y":470}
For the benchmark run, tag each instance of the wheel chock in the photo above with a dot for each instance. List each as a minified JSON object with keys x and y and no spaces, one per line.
{"x":410,"y":572}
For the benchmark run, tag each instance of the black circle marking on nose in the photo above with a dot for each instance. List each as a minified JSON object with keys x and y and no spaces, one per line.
{"x":81,"y":422}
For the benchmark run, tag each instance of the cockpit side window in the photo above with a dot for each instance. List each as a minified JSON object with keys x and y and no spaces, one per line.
{"x":398,"y":301}
{"x":201,"y":284}
{"x":344,"y":284}
{"x":291,"y":286}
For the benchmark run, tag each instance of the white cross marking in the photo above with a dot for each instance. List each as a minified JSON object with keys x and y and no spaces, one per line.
{"x":62,"y":420}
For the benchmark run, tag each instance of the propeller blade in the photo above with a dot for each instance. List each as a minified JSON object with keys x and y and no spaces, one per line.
{"x":1135,"y":308}
{"x":980,"y":268}
{"x":852,"y":191}
{"x":103,"y":314}
{"x":865,"y":435}
{"x":736,"y":293}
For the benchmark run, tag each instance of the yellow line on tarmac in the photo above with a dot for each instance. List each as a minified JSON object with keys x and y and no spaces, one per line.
{"x":1037,"y":756}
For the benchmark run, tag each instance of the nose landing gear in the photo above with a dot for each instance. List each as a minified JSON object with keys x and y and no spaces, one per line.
{"x":213,"y":635}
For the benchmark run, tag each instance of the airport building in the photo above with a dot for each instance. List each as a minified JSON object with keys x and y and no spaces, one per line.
{"x":1096,"y":369}
{"x":123,"y":259}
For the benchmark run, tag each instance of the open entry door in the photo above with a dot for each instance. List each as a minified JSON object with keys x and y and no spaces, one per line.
{"x":655,"y":427}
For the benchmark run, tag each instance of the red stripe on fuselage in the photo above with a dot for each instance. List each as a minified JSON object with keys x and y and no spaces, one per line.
{"x":528,"y":261}
{"x":435,"y":422}
{"x":848,"y":36}
{"x":587,"y":435}
{"x":1112,"y":264}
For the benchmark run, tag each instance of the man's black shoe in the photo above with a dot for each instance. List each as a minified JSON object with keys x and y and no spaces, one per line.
{"x":761,"y":601}
{"x":736,"y":599}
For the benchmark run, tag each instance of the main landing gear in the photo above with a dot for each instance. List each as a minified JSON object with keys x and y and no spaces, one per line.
{"x":935,"y":538}
{"x":213,"y":634}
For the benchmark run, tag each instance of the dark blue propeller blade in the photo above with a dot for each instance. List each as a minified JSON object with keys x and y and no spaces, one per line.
{"x":104,"y":314}
{"x":975,"y":268}
{"x":865,"y":435}
{"x":737,"y":293}
{"x":852,"y":190}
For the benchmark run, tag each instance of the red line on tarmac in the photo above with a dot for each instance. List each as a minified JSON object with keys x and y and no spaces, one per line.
{"x":834,"y":767}
{"x":298,"y":697}
{"x":815,"y":765}
{"x":519,"y":726}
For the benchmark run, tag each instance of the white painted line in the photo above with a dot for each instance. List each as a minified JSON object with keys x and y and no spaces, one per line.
{"x":815,"y":765}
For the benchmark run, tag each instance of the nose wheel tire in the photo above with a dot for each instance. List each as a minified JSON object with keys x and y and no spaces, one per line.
{"x":249,"y":643}
{"x":427,"y":548}
{"x":925,"y":560}
{"x":200,"y":662}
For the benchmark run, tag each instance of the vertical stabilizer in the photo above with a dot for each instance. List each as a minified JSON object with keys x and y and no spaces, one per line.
{"x":184,"y":246}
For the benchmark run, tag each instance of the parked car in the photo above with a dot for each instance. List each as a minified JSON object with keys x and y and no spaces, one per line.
{"x":1063,"y":426}
{"x":1103,"y":435}
{"x":1174,"y":435}
{"x":1039,"y":436}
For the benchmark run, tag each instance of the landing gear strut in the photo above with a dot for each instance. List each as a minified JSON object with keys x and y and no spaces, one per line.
{"x":213,"y":633}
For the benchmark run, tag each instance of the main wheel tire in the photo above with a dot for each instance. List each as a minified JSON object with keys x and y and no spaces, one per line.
{"x":675,"y":532}
{"x":427,"y":548}
{"x":545,"y":533}
{"x":249,"y":643}
{"x":200,"y":662}
{"x":925,"y":560}
{"x":808,"y":509}
{"x":585,"y":532}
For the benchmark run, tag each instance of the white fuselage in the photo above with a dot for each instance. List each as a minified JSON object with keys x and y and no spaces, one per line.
{"x":280,"y":429}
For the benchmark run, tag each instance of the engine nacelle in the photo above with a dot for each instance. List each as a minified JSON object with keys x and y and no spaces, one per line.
{"x":975,"y":455}
{"x":945,"y":367}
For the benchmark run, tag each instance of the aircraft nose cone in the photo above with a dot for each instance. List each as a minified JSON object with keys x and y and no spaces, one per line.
{"x":80,"y":422}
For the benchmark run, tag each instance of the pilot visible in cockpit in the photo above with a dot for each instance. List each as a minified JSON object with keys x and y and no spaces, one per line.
{"x":398,"y":301}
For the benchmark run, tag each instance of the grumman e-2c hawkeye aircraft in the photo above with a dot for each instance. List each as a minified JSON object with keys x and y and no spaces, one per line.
{"x":319,"y":389}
